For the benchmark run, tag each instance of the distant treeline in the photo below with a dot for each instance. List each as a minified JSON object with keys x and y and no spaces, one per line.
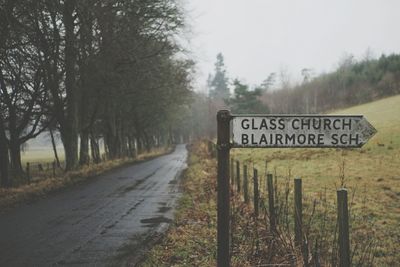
{"x":91,"y":70}
{"x":354,"y":82}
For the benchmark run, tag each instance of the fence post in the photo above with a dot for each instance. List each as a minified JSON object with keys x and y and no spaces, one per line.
{"x":214,"y":152}
{"x":223,"y":205}
{"x":298,"y":213}
{"x":256,"y":193}
{"x":263,"y":186}
{"x":28,"y":171}
{"x":238,"y":175}
{"x":343,"y":221}
{"x":275,"y":175}
{"x":232,"y":171}
{"x":271,"y":204}
{"x":245,"y":185}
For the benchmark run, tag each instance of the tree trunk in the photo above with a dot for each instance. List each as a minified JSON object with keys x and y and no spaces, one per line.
{"x":53,"y":143}
{"x":84,"y":158}
{"x":94,"y":145}
{"x":71,"y":151}
{"x":147,"y":142}
{"x":15,"y":157}
{"x":131,"y":147}
{"x":69,"y":131}
{"x":4,"y":160}
{"x":111,"y":150}
{"x":139,"y":143}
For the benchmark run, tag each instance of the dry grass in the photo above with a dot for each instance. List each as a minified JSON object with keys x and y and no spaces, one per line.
{"x":10,"y":197}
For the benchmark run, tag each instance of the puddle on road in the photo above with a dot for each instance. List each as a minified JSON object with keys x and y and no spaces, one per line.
{"x":132,"y":187}
{"x":164,"y":209}
{"x":154,"y":221}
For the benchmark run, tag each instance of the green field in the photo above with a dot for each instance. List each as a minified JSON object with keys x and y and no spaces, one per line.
{"x":41,"y":155}
{"x":371,"y":173}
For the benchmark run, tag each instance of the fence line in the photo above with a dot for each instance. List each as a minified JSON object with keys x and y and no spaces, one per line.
{"x":271,"y":192}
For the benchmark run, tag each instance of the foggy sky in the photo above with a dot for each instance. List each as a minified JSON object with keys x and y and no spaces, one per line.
{"x":262,"y":36}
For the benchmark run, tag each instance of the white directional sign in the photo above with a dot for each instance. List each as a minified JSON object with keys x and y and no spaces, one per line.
{"x":300,"y":131}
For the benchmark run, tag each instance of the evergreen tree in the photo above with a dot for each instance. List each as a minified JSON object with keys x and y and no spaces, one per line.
{"x":246,"y":101}
{"x":218,"y":83}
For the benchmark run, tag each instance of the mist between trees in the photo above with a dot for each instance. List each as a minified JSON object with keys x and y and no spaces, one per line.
{"x":91,"y":70}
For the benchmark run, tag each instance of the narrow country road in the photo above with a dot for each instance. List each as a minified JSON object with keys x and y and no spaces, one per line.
{"x":93,"y":224}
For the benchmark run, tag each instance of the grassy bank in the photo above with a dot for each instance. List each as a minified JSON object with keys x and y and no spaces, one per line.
{"x":371,"y":174}
{"x":10,"y":197}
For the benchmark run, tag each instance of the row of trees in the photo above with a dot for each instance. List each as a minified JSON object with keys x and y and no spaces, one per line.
{"x":353,"y":82}
{"x":90,"y":70}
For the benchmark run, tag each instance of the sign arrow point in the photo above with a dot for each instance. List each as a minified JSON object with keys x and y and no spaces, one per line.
{"x":366,"y":129}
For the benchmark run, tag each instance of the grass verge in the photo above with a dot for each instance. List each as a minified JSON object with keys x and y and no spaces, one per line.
{"x":191,"y":239}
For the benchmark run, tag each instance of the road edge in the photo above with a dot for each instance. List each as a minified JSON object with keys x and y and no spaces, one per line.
{"x":67,"y":182}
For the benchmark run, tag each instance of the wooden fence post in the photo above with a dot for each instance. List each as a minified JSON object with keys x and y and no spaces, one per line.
{"x":271,"y":204}
{"x":256,"y":192}
{"x":223,"y":198}
{"x":238,"y":176}
{"x":245,"y":185}
{"x":343,"y":221}
{"x":214,"y":151}
{"x":276,"y":186}
{"x":263,"y":186}
{"x":298,"y":213}
{"x":232,"y":171}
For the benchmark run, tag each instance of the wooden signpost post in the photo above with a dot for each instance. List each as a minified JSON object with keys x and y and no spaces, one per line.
{"x":263,"y":131}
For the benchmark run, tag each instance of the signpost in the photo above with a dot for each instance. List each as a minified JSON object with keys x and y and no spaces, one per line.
{"x":263,"y":131}
{"x":301,"y":131}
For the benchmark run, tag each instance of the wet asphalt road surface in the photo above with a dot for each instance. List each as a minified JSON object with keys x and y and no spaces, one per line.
{"x":94,"y":223}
